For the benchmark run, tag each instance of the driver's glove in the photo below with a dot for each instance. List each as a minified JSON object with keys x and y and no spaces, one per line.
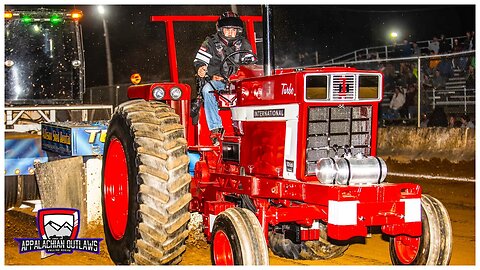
{"x":248,"y":58}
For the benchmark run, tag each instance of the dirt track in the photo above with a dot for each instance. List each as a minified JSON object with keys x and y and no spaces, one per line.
{"x":458,"y":197}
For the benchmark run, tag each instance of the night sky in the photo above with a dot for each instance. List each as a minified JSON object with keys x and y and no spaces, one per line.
{"x":138,"y":45}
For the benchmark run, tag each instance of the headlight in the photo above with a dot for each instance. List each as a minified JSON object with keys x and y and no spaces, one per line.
{"x":9,"y":63}
{"x":175,"y":93}
{"x":158,"y":93}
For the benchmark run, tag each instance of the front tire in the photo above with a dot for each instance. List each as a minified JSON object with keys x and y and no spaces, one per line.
{"x":434,"y":247}
{"x":145,"y":185}
{"x":238,"y":239}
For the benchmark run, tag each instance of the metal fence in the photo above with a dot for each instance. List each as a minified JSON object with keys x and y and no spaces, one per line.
{"x":445,"y":82}
{"x":384,"y":52}
{"x":435,"y":82}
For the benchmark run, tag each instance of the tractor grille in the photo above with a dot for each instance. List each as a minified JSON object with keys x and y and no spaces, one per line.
{"x":342,"y":126}
{"x":344,"y":87}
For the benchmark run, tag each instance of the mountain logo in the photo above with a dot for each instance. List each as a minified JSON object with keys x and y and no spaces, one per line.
{"x":58,"y":223}
{"x":58,"y":229}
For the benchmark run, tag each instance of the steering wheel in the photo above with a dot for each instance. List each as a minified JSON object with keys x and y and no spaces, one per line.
{"x":232,"y":66}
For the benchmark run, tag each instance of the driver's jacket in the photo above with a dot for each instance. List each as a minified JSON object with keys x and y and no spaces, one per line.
{"x":213,"y":51}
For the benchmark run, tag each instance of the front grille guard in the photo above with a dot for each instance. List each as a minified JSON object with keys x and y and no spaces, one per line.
{"x":337,"y":126}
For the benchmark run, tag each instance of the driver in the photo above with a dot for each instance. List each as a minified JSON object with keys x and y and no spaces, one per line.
{"x":213,"y":50}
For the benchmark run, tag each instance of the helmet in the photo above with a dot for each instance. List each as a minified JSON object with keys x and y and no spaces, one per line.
{"x":229,"y":19}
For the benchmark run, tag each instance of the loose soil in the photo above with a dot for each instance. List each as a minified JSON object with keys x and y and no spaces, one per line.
{"x":458,"y":197}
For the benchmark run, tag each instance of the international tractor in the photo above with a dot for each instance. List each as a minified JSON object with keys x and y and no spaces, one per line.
{"x":296,"y":170}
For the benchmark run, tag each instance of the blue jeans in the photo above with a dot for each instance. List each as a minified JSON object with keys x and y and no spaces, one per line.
{"x":211,"y":106}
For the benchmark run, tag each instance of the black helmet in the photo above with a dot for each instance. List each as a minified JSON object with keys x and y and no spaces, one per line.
{"x":229,"y":19}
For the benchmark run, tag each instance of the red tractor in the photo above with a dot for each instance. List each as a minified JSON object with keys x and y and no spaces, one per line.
{"x":295,"y":171}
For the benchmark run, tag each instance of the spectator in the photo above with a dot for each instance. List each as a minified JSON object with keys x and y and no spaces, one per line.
{"x":445,"y":46}
{"x":459,"y":62}
{"x":416,"y":50}
{"x":470,"y":79}
{"x":410,"y":106}
{"x":426,"y":82}
{"x":466,"y":122}
{"x":434,"y":61}
{"x":473,"y":39}
{"x":438,"y":82}
{"x":406,"y":49}
{"x":426,"y":86}
{"x":424,"y":120}
{"x":438,"y":118}
{"x":451,"y":121}
{"x":405,"y":68}
{"x":469,"y":42}
{"x":457,"y":46}
{"x":389,"y":78}
{"x":434,"y":45}
{"x":397,"y":101}
{"x":410,"y":77}
{"x":446,"y":67}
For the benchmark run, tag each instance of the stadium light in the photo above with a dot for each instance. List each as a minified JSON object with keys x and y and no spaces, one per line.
{"x":101,"y":11}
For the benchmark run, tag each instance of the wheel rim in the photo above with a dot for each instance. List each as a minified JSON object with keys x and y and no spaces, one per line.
{"x":222,"y":250}
{"x":406,"y":248}
{"x":116,"y":189}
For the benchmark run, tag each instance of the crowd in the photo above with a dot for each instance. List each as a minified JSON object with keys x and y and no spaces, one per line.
{"x":439,"y":118}
{"x":401,"y":80}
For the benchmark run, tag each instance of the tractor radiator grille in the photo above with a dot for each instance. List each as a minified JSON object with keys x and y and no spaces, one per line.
{"x":342,"y":126}
{"x":344,"y":87}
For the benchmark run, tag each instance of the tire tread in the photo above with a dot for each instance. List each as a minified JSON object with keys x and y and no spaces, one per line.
{"x":162,"y":175}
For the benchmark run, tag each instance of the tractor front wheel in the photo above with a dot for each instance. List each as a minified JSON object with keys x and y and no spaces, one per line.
{"x":238,"y":239}
{"x":145,"y":185}
{"x":434,"y":247}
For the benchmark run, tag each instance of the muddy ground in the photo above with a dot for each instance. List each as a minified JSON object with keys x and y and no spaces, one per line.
{"x":458,"y":197}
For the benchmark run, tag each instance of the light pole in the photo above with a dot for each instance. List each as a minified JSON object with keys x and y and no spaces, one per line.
{"x":101,"y":10}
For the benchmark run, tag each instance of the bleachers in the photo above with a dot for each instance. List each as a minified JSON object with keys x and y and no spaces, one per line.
{"x":382,"y":52}
{"x":455,"y":97}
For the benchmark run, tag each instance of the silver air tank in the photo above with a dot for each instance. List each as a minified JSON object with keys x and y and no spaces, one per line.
{"x":357,"y":170}
{"x":326,"y":170}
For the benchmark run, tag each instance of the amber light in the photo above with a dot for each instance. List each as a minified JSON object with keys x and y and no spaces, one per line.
{"x":8,"y":15}
{"x":76,"y":15}
{"x":135,"y":78}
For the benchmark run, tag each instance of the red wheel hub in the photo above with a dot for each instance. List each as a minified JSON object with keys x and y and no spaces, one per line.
{"x":222,"y":250}
{"x":406,"y":248}
{"x":115,"y":187}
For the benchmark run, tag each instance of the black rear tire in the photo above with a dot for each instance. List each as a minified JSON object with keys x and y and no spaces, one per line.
{"x":306,"y":250}
{"x":154,"y":147}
